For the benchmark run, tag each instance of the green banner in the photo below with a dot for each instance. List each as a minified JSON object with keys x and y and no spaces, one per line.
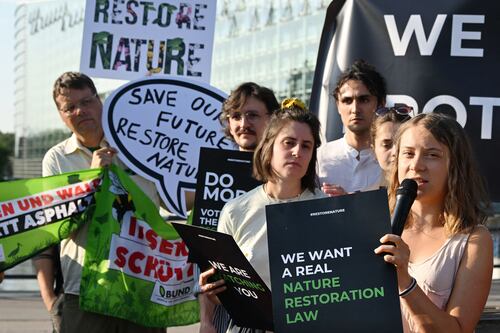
{"x":136,"y":264}
{"x":38,"y":213}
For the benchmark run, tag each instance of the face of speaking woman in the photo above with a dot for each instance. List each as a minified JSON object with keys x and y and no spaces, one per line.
{"x":292,"y":152}
{"x":426,"y":160}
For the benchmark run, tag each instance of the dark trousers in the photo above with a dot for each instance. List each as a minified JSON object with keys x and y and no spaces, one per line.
{"x":75,"y":320}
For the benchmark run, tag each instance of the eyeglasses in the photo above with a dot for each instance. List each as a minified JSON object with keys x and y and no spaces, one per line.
{"x":250,"y":116}
{"x":83,"y":103}
{"x":401,"y":109}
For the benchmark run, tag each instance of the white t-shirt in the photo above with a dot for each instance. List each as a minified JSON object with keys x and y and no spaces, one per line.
{"x":341,"y":164}
{"x":71,"y":155}
{"x":244,"y":218}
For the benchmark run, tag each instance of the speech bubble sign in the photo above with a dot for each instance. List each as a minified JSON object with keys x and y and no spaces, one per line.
{"x":158,"y":125}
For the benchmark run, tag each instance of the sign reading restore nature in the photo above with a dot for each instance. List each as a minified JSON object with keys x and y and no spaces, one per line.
{"x":125,"y":39}
{"x":158,"y":125}
{"x":324,"y":273}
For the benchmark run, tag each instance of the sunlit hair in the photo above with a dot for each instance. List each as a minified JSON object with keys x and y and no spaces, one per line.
{"x":366,"y":73}
{"x":390,"y":116}
{"x":238,"y":98}
{"x":466,"y":202}
{"x":72,"y":80}
{"x":291,"y":110}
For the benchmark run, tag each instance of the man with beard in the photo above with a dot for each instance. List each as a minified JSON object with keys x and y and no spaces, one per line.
{"x":348,"y":164}
{"x":245,"y":115}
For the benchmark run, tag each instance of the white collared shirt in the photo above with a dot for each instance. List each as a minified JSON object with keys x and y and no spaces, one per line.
{"x":341,"y":164}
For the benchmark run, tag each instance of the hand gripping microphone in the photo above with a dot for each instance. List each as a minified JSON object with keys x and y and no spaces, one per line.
{"x":405,"y":195}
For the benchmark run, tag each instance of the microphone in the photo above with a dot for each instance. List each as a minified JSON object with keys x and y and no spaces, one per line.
{"x":405,"y":195}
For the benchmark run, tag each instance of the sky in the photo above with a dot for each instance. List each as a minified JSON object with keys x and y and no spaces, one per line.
{"x":7,"y":8}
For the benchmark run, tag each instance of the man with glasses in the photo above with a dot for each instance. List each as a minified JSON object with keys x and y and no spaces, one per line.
{"x":245,"y":115}
{"x":348,"y":164}
{"x":80,"y":109}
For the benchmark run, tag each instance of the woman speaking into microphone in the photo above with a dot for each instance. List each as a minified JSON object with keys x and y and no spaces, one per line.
{"x":444,"y":257}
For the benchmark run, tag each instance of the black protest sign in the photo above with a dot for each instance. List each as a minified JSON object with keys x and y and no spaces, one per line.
{"x":247,"y":299}
{"x":324,"y":272}
{"x":222,"y":176}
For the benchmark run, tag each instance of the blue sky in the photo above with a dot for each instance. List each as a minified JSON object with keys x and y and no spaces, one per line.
{"x":7,"y":8}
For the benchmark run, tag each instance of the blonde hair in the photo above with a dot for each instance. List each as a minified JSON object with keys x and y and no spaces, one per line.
{"x":466,"y":202}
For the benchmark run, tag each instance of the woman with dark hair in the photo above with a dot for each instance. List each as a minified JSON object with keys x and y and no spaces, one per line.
{"x":285,"y":161}
{"x":444,"y":258}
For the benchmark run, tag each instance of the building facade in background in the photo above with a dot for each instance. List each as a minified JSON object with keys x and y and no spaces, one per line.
{"x":271,"y":42}
{"x":47,"y":42}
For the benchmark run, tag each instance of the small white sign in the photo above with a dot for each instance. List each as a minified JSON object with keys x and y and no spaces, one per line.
{"x":129,"y":39}
{"x":171,"y":294}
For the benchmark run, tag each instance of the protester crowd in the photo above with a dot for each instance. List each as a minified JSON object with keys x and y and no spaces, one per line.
{"x":443,"y":251}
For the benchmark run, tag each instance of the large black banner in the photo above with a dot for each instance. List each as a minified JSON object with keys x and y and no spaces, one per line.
{"x":441,"y":56}
{"x":324,"y":274}
{"x":223,"y":175}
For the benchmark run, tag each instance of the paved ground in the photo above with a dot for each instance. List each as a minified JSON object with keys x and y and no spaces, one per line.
{"x":24,"y":312}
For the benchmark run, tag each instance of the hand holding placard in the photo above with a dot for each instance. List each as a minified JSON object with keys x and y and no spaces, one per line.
{"x":246,"y":298}
{"x":323,"y":270}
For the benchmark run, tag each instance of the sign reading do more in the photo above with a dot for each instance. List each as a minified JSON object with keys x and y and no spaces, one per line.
{"x":159,"y":125}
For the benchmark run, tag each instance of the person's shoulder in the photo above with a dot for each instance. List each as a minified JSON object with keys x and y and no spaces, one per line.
{"x":481,"y":234}
{"x":310,"y":195}
{"x":56,"y":151}
{"x":52,"y":158}
{"x":330,"y":145}
{"x":479,"y":243}
{"x":59,"y":148}
{"x":318,"y":194}
{"x":245,"y":199}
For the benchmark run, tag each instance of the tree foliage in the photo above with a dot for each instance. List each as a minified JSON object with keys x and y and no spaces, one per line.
{"x":6,"y":153}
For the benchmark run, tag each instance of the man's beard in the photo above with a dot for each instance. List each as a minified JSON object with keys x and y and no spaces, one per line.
{"x":249,"y":146}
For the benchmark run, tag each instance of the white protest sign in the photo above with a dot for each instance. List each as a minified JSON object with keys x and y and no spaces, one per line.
{"x":158,"y":125}
{"x":126,"y":39}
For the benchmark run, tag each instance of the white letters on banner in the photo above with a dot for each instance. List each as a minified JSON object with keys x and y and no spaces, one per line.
{"x":426,"y":45}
